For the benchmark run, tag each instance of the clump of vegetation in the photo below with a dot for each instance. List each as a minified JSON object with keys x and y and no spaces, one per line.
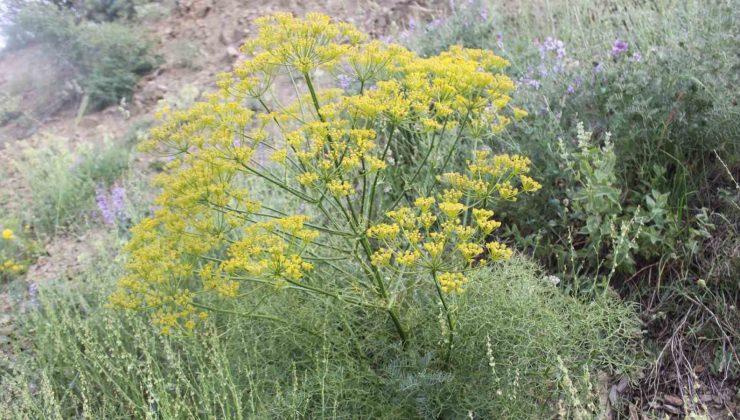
{"x":632,"y":132}
{"x":62,"y":180}
{"x":16,"y":252}
{"x":516,"y":329}
{"x":106,"y":58}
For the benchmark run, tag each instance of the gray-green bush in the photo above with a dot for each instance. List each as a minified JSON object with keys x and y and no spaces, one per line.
{"x":76,"y":357}
{"x":651,"y":209}
{"x":62,"y":179}
{"x":108,"y":58}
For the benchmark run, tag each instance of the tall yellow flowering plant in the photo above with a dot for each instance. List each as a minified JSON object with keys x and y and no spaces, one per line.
{"x":364,"y":144}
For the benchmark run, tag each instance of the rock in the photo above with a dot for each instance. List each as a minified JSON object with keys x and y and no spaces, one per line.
{"x":223,"y":38}
{"x":618,"y":389}
{"x":152,"y":92}
{"x":89,"y":121}
{"x":232,"y":52}
{"x":671,"y":409}
{"x":634,"y":413}
{"x":202,"y":12}
{"x":673,"y":400}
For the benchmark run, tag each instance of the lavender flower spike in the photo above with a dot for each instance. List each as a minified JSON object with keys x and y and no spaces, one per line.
{"x":619,"y":47}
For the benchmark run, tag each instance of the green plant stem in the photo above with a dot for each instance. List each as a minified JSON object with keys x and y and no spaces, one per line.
{"x":314,"y":98}
{"x":454,"y":144}
{"x":448,"y":315}
{"x":377,"y":175}
{"x":354,"y":223}
{"x":257,"y":316}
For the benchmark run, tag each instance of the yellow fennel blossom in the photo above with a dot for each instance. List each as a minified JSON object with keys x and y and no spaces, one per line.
{"x":451,"y":210}
{"x":384,"y":231}
{"x":408,"y":257}
{"x":469,"y":250}
{"x":434,"y":248}
{"x":519,"y":113}
{"x":8,"y":234}
{"x":529,"y":184}
{"x":507,"y":192}
{"x":381,"y":257}
{"x":296,"y":267}
{"x":424,"y":203}
{"x":339,"y":149}
{"x":404,"y":216}
{"x":484,"y":220}
{"x":302,"y":44}
{"x":307,"y":178}
{"x":452,"y":282}
{"x":498,"y":251}
{"x":340,"y":188}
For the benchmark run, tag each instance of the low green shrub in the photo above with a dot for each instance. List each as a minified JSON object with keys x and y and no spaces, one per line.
{"x":660,"y":87}
{"x":17,"y":250}
{"x":78,"y":358}
{"x":107,"y":58}
{"x":62,"y":179}
{"x":632,"y":130}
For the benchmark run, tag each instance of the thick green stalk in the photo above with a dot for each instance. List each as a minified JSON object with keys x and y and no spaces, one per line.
{"x":448,"y":315}
{"x":354,"y":223}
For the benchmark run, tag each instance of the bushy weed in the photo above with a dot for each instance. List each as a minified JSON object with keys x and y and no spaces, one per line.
{"x":78,"y":357}
{"x":107,"y":58}
{"x":62,"y":179}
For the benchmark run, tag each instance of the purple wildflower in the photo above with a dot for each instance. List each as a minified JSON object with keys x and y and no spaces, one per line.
{"x":483,"y":12}
{"x":101,"y":198}
{"x":33,"y":293}
{"x":636,"y":57}
{"x":118,"y":200}
{"x":412,"y":24}
{"x":552,"y":44}
{"x":571,"y":89}
{"x":435,"y":23}
{"x":543,"y":70}
{"x":599,"y":68}
{"x":344,"y":81}
{"x":619,"y":47}
{"x":533,"y":83}
{"x":111,"y":206}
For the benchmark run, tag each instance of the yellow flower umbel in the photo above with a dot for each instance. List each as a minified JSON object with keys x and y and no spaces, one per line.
{"x":351,"y":149}
{"x":8,"y":235}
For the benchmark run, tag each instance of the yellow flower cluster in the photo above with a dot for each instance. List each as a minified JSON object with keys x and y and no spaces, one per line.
{"x":270,"y":249}
{"x":492,"y":176}
{"x":11,"y":266}
{"x":452,"y":282}
{"x":8,"y":234}
{"x":330,"y":148}
{"x":431,"y":237}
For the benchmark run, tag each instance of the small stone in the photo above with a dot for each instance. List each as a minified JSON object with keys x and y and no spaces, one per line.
{"x":223,"y":38}
{"x":232,"y":51}
{"x":671,"y":409}
{"x":673,"y":400}
{"x":202,"y":12}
